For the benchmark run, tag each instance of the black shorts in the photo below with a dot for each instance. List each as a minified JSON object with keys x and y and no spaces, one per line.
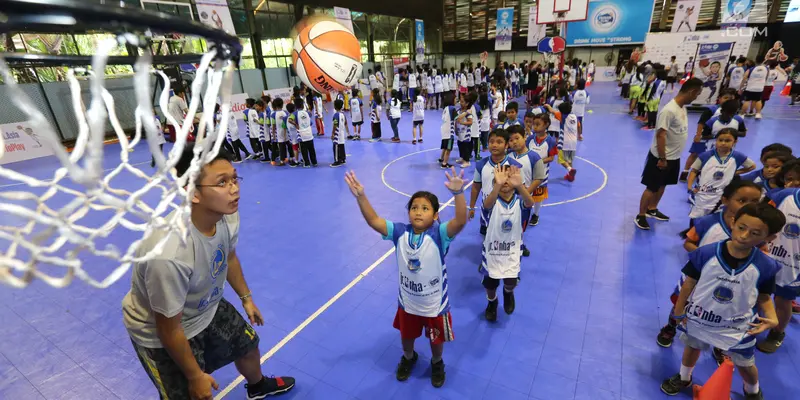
{"x":359,"y":123}
{"x":447,"y":144}
{"x":655,"y":178}
{"x":226,"y":339}
{"x":492,"y":284}
{"x":672,"y":79}
{"x":418,"y":123}
{"x":752,"y":96}
{"x":795,"y":88}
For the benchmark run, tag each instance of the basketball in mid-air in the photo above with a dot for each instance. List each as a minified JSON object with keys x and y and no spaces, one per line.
{"x":326,"y":56}
{"x":704,"y":63}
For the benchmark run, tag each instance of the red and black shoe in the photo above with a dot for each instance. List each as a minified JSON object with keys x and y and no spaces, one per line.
{"x":269,"y":387}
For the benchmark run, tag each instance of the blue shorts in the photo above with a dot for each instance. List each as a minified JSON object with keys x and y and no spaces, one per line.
{"x":699,"y":147}
{"x":787,"y":292}
{"x":580,"y":120}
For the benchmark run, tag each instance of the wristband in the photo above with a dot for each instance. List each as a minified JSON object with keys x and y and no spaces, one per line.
{"x":458,"y":192}
{"x":245,"y":297}
{"x":679,"y":317}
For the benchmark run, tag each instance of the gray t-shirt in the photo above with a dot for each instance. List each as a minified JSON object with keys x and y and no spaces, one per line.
{"x":184,"y":278}
{"x":674,"y":120}
{"x":673,"y":70}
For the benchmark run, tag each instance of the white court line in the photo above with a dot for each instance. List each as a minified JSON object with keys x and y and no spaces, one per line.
{"x":319,"y":311}
{"x":605,"y":180}
{"x":50,"y":180}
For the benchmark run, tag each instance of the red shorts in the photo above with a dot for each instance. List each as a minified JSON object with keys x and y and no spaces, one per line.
{"x":767,"y":93}
{"x":437,"y":329}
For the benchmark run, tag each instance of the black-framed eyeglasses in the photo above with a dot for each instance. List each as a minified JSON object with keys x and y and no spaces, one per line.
{"x":235,"y":181}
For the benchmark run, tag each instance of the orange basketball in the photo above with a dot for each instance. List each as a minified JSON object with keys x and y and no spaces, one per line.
{"x":326,"y":56}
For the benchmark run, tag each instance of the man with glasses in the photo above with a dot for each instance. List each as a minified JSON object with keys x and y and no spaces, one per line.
{"x":181,"y":327}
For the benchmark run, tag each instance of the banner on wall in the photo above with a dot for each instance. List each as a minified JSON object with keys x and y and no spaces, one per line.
{"x":283,"y":93}
{"x":344,"y":17}
{"x":505,"y":28}
{"x":710,"y":66}
{"x":612,"y":22}
{"x":215,"y":13}
{"x":605,"y":74}
{"x":22,"y":143}
{"x":400,"y":62}
{"x":536,"y":32}
{"x":238,"y":104}
{"x":735,"y":12}
{"x":686,"y":14}
{"x":419,"y":28}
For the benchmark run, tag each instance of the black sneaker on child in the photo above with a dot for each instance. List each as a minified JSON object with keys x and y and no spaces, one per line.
{"x":674,"y":385}
{"x":773,"y":341}
{"x":509,"y":304}
{"x":666,"y":336}
{"x":753,"y":396}
{"x":269,"y":387}
{"x":491,"y":311}
{"x":641,"y":222}
{"x":405,"y":366}
{"x":437,"y":374}
{"x":534,"y":220}
{"x":525,"y":251}
{"x":657,"y":215}
{"x":336,"y":164}
{"x":719,"y":355}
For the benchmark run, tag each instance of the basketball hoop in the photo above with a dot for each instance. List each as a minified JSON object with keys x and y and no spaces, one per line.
{"x":44,"y":239}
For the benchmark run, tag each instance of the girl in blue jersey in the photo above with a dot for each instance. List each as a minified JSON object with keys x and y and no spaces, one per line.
{"x":421,"y":246}
{"x":725,"y":282}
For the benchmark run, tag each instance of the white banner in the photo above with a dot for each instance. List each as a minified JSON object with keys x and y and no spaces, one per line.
{"x":661,"y":46}
{"x":283,"y":93}
{"x":215,"y":13}
{"x":238,"y":104}
{"x":344,"y":17}
{"x":21,"y":143}
{"x":735,"y":12}
{"x":535,"y":32}
{"x":605,"y":74}
{"x":686,"y":14}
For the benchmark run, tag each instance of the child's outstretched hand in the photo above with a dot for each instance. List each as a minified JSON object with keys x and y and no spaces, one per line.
{"x":500,"y":175}
{"x":514,"y":177}
{"x":455,"y":182}
{"x":355,"y":186}
{"x":763,"y":324}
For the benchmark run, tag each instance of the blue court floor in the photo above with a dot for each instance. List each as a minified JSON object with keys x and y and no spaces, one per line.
{"x":594,"y":292}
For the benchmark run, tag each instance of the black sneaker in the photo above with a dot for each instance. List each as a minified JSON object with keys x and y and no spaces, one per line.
{"x":641,"y":222}
{"x":525,"y":251}
{"x":718,"y":355}
{"x":336,"y":164}
{"x":437,"y":374}
{"x":773,"y":341}
{"x":753,"y":396}
{"x":674,"y":385}
{"x":666,"y":336}
{"x":491,"y":311}
{"x":405,"y":366}
{"x":534,"y":220}
{"x":657,"y":215}
{"x":684,"y":176}
{"x":508,"y":302}
{"x":293,"y":164}
{"x":269,"y":387}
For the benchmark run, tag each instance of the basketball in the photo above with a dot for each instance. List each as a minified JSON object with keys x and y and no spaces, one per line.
{"x":326,"y":56}
{"x":704,"y":63}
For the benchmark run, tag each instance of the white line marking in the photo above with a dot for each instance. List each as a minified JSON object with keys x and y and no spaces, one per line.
{"x":49,"y":180}
{"x":224,"y":392}
{"x":602,"y":186}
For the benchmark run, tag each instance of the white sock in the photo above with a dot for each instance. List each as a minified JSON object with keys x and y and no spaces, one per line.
{"x":536,"y":208}
{"x":751,"y":389}
{"x":492,"y":299}
{"x":686,"y":373}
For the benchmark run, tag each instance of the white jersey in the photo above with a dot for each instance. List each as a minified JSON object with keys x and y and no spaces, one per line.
{"x":339,"y":127}
{"x":453,"y":82}
{"x":355,"y":110}
{"x":736,"y":77}
{"x":477,"y":74}
{"x":555,"y":124}
{"x":373,"y":81}
{"x":232,"y":129}
{"x":448,"y":129}
{"x":396,"y":82}
{"x":532,"y":167}
{"x":568,"y":140}
{"x":412,"y":81}
{"x":279,"y":121}
{"x":462,"y":79}
{"x":255,"y":128}
{"x":502,"y":245}
{"x":421,"y":267}
{"x":715,"y":174}
{"x":497,"y":105}
{"x":475,"y":128}
{"x":544,"y":147}
{"x":394,"y":108}
{"x":438,"y":84}
{"x":486,"y":119}
{"x":445,"y":83}
{"x":785,"y":249}
{"x":722,"y":305}
{"x":269,"y":129}
{"x":429,"y":85}
{"x":484,"y":174}
{"x":707,"y":229}
{"x":757,"y":79}
{"x":291,"y":130}
{"x":318,"y":108}
{"x":579,"y":101}
{"x":304,"y":125}
{"x":419,"y":108}
{"x":470,"y":79}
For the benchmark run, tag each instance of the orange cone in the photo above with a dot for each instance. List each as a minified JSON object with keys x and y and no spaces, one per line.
{"x":718,"y":386}
{"x":787,"y":89}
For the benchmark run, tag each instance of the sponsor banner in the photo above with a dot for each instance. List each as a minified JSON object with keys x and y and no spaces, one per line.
{"x":215,"y":13}
{"x":793,"y":12}
{"x":686,"y":14}
{"x":505,"y":28}
{"x":735,"y":12}
{"x":419,"y":27}
{"x":238,"y":104}
{"x":605,"y":74}
{"x":20,"y":142}
{"x":612,"y":22}
{"x":400,"y":62}
{"x":712,"y":62}
{"x":536,"y":32}
{"x":661,"y":46}
{"x":283,"y":93}
{"x":344,"y":17}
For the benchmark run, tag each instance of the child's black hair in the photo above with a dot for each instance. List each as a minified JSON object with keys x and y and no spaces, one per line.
{"x":514,"y":129}
{"x":737,"y":184}
{"x":298,"y":103}
{"x":529,"y":114}
{"x":791,"y":166}
{"x":544,"y":117}
{"x":260,"y":103}
{"x":778,"y":155}
{"x":729,"y":92}
{"x":484,"y":100}
{"x":728,"y":131}
{"x":512,"y":105}
{"x":267,"y":99}
{"x":501,"y":116}
{"x":581,"y":84}
{"x":376,"y":96}
{"x":277,"y":104}
{"x":249,"y":102}
{"x":188,"y":154}
{"x":449,"y":99}
{"x":499,"y":132}
{"x":338,"y":104}
{"x":565,"y":108}
{"x":775,"y":147}
{"x":290,"y":108}
{"x":424,"y":195}
{"x":769,"y":215}
{"x":730,"y":107}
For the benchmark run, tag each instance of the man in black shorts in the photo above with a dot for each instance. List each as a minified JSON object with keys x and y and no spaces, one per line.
{"x":664,"y":157}
{"x":181,"y":326}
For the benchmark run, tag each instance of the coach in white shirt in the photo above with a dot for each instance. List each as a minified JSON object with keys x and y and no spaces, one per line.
{"x":177,"y":108}
{"x":664,"y":157}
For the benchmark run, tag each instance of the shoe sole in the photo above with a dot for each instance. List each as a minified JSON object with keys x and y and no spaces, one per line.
{"x":664,"y":346}
{"x":275,"y":393}
{"x":669,"y":394}
{"x":657,"y":218}
{"x":641,"y":227}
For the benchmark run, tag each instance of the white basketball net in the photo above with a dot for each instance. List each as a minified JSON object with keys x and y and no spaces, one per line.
{"x":50,"y":240}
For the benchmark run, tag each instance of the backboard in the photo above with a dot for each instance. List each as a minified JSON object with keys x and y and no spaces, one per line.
{"x":557,"y":11}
